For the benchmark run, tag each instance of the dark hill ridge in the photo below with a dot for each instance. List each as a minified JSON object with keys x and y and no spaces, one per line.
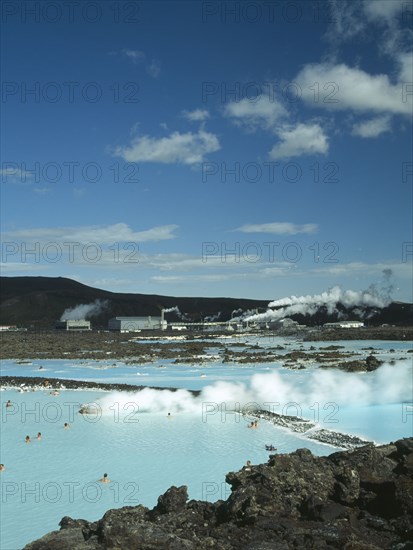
{"x":26,"y":301}
{"x":40,"y":301}
{"x":354,"y":500}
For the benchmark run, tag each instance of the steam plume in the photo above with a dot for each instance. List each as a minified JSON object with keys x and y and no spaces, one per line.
{"x":388,"y":384}
{"x":309,"y":305}
{"x":176,"y":310}
{"x":83,"y":311}
{"x":212,"y":318}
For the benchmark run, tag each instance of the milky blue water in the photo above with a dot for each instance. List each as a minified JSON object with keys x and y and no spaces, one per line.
{"x":144,"y":452}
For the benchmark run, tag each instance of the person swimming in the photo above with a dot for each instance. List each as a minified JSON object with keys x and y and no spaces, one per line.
{"x":66,"y":426}
{"x":9,"y":403}
{"x":2,"y":468}
{"x":39,"y":435}
{"x":28,"y":440}
{"x":105,"y":479}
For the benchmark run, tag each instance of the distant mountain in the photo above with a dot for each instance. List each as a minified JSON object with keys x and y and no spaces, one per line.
{"x":41,"y":301}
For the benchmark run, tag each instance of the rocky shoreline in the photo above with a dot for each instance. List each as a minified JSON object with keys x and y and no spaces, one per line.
{"x":354,"y":500}
{"x":185,"y":348}
{"x":31,"y":383}
{"x":309,"y":429}
{"x":404,"y":333}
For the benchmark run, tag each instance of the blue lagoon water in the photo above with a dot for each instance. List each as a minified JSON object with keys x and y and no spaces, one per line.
{"x":144,"y":452}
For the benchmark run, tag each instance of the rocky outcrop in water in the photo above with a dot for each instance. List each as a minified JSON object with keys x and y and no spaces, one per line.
{"x":354,"y":500}
{"x":369,"y":364}
{"x":32,"y":383}
{"x":309,"y":429}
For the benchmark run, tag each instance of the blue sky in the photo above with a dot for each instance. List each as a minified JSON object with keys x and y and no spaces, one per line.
{"x":243,"y":149}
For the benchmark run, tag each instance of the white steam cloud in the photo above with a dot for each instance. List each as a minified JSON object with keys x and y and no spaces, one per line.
{"x":83,"y":311}
{"x":212,"y":318}
{"x":388,"y":384}
{"x":176,"y":310}
{"x":239,"y":314}
{"x":309,"y":305}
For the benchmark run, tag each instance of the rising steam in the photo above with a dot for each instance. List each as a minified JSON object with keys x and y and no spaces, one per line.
{"x":84,"y":311}
{"x":388,"y":384}
{"x":177,"y":311}
{"x":309,"y":305}
{"x":212,"y":318}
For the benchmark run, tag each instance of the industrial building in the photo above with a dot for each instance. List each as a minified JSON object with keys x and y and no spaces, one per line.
{"x":136,"y":324}
{"x":286,"y":322}
{"x":344,"y":324}
{"x":71,"y":324}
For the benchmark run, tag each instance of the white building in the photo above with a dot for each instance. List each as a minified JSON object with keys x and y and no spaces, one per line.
{"x":344,"y":324}
{"x":136,"y":324}
{"x":286,"y":323}
{"x":73,"y":324}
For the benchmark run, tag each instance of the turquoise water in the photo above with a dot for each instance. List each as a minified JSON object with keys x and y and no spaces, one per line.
{"x":144,"y":452}
{"x":160,"y":374}
{"x":165,"y":373}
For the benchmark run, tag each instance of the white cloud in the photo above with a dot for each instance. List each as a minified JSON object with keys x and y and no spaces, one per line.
{"x":338,"y":87}
{"x":107,"y":234}
{"x":262,"y":112}
{"x":191,"y":278}
{"x":268,"y":114}
{"x":387,"y":10}
{"x":154,"y":68}
{"x":346,"y":19}
{"x":13,"y":174}
{"x":253,"y":274}
{"x":353,"y":269}
{"x":302,"y":139}
{"x":179,"y":148}
{"x":135,"y":56}
{"x":349,"y":18}
{"x":392,"y":18}
{"x":17,"y":267}
{"x":279,"y":228}
{"x":372,"y":128}
{"x":198,"y":115}
{"x":405,"y":62}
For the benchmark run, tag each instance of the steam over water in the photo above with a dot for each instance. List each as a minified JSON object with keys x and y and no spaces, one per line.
{"x":387,"y":385}
{"x":145,"y":451}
